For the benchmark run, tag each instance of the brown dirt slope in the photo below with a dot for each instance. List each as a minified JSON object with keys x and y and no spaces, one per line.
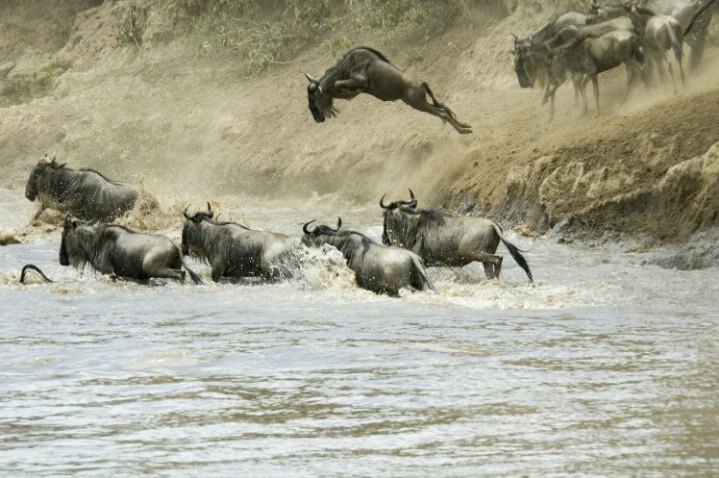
{"x":127,"y":87}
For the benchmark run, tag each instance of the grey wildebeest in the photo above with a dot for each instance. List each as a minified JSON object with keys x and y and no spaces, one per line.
{"x":444,"y":240}
{"x":84,"y":193}
{"x":122,"y":253}
{"x":594,"y":55}
{"x":660,"y":33}
{"x":532,"y":55}
{"x":235,"y":251}
{"x":366,"y":70}
{"x":684,"y":11}
{"x":377,"y":268}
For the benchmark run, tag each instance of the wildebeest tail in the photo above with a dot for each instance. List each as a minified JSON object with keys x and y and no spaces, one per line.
{"x":34,"y":268}
{"x":195,"y":278}
{"x":515,"y":252}
{"x":423,"y":274}
{"x":677,"y":47}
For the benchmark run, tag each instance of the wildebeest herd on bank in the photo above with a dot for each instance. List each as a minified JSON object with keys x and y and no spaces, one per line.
{"x":574,"y":47}
{"x":639,"y":35}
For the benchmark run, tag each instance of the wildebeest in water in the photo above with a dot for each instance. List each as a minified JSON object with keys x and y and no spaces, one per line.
{"x":120,"y":252}
{"x":366,"y":70}
{"x":381,"y":269}
{"x":444,"y":240}
{"x":84,"y":193}
{"x":235,"y":251}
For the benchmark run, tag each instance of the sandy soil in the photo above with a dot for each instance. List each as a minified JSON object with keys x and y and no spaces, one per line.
{"x":161,"y":113}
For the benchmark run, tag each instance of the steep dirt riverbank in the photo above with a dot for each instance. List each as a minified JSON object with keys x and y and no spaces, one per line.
{"x":153,"y":107}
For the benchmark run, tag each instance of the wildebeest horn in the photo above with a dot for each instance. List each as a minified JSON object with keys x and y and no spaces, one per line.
{"x":310,"y":79}
{"x":339,"y":224}
{"x":209,"y":210}
{"x":185,"y":213}
{"x":411,"y":195}
{"x":381,"y":202}
{"x":306,"y":229}
{"x":32,"y":267}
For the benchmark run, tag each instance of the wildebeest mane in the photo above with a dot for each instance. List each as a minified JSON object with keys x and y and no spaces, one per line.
{"x":119,"y":226}
{"x":366,"y":241}
{"x":431,"y":216}
{"x":544,"y":33}
{"x":224,"y":223}
{"x":111,"y":181}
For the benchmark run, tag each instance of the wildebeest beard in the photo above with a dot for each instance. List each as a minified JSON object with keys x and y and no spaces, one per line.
{"x":523,"y":60}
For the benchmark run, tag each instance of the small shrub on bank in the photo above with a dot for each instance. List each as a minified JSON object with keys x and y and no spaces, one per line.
{"x":265,"y":32}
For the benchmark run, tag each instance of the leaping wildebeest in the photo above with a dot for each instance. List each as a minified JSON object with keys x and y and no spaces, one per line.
{"x":120,"y":252}
{"x":84,"y":193}
{"x":378,"y":268}
{"x":444,"y":240}
{"x":235,"y":251}
{"x":366,"y":70}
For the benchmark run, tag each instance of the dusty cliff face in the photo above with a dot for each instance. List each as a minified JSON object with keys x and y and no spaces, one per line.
{"x":124,"y":86}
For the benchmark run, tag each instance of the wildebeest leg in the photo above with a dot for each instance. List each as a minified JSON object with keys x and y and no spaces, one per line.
{"x":671,"y":75}
{"x":115,"y":277}
{"x":577,"y":83}
{"x":633,"y":70}
{"x":39,"y":211}
{"x":217,"y":273}
{"x":549,"y":96}
{"x":352,"y":85}
{"x":416,"y":97}
{"x":492,"y":264}
{"x":168,"y":273}
{"x":659,"y":58}
{"x":586,"y":80}
{"x":595,"y":87}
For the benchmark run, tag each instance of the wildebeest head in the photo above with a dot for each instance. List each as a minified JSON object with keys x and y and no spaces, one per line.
{"x":525,"y":64}
{"x":319,"y":234}
{"x":44,"y":167}
{"x":320,"y":100}
{"x":78,"y":242}
{"x":191,"y":230}
{"x":391,"y":215}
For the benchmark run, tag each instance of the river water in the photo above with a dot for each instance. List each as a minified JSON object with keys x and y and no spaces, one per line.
{"x":602,"y":367}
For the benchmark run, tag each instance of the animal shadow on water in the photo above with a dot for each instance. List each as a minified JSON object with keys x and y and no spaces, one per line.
{"x":366,"y":70}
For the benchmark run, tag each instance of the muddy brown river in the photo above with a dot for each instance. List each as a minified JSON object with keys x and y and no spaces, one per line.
{"x":603,"y":367}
